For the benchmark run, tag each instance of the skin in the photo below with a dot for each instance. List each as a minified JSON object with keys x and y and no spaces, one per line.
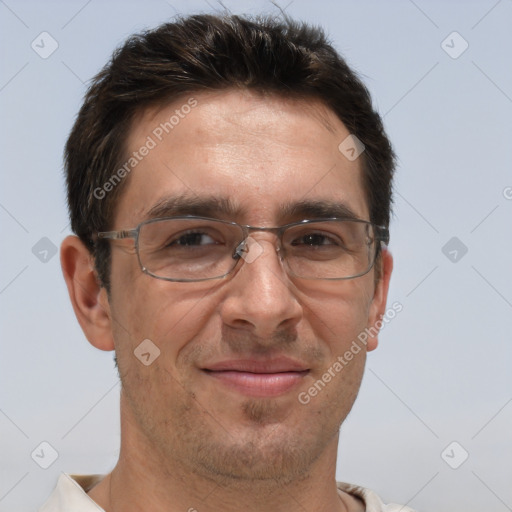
{"x":188,"y":440}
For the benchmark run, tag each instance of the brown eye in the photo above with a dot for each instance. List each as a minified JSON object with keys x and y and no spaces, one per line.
{"x":314,"y":240}
{"x":193,"y":239}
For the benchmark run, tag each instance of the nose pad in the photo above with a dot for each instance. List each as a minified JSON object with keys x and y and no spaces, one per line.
{"x":249,"y":250}
{"x":239,"y":250}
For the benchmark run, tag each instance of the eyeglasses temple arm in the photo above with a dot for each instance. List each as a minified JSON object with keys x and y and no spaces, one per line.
{"x":383,"y":235}
{"x":117,"y":235}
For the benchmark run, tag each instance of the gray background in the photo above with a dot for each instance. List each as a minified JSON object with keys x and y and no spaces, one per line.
{"x":442,"y":371}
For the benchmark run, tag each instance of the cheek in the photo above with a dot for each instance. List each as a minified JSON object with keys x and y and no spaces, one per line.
{"x":171,"y":315}
{"x":338,"y":312}
{"x":161,"y":324}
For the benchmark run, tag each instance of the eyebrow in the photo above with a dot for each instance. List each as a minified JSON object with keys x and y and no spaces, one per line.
{"x":225,"y":207}
{"x":208,"y":206}
{"x":318,"y":209}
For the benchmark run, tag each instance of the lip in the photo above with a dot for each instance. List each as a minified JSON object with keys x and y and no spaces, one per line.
{"x":258,"y":378}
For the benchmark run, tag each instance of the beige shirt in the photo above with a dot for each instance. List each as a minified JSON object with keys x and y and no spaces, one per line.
{"x":70,"y":495}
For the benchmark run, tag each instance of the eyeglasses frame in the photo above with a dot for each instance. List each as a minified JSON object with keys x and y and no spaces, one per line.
{"x":381,"y":235}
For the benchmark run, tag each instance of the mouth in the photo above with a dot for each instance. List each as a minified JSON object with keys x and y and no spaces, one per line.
{"x":270,"y":378}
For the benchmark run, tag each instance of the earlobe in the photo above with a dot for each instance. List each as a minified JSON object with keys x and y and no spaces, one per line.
{"x":88,"y":298}
{"x":378,"y":304}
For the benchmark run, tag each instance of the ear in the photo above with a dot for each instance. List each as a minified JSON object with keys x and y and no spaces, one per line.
{"x":88,"y":298}
{"x":378,"y":304}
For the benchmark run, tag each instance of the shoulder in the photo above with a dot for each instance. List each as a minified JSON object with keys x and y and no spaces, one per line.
{"x":70,"y":493}
{"x":372,"y":501}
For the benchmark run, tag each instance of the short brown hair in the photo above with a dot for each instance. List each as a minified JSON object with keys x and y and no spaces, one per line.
{"x":204,"y":53}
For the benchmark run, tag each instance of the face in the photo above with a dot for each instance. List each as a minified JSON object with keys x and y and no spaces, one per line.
{"x":222,"y":398}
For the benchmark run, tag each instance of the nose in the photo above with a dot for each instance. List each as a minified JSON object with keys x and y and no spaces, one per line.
{"x":260,"y":297}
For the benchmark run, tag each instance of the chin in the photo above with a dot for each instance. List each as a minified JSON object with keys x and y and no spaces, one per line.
{"x":270,"y":453}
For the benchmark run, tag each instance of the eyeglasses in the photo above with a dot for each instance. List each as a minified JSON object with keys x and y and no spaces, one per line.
{"x":193,"y":248}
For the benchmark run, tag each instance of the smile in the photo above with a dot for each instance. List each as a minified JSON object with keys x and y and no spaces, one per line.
{"x":259,"y":378}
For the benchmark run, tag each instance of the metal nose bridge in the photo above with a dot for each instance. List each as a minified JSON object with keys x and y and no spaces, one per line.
{"x":242,"y":248}
{"x":261,"y":228}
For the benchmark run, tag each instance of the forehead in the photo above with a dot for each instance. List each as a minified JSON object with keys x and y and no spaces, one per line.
{"x":261,"y":154}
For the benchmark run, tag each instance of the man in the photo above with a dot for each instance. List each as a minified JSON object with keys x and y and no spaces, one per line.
{"x":230,"y":186}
